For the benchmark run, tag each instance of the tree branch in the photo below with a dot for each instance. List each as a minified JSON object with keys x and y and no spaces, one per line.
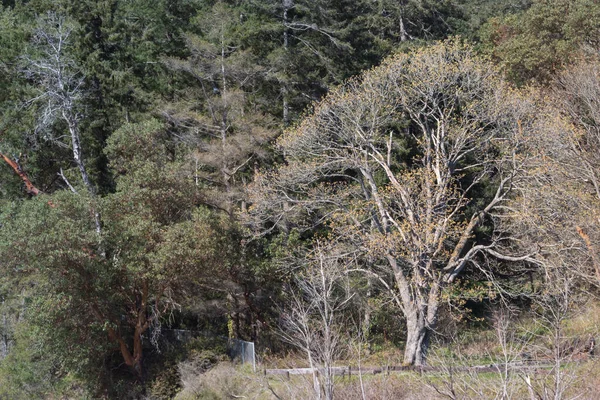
{"x":31,"y":189}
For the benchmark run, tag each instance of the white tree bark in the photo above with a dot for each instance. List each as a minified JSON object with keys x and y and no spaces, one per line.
{"x":59,"y":83}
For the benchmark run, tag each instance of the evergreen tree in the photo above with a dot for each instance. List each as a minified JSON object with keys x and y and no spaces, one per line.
{"x":92,"y":299}
{"x":537,"y":43}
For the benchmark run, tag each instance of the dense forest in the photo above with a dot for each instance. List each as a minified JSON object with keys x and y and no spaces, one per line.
{"x":410,"y":183}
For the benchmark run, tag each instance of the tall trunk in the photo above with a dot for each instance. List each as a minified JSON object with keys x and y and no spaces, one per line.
{"x":225,"y":170}
{"x":224,"y":122}
{"x":286,"y":105}
{"x":223,"y":76}
{"x":5,"y":339}
{"x":79,"y":160}
{"x":287,"y":5}
{"x":77,"y":152}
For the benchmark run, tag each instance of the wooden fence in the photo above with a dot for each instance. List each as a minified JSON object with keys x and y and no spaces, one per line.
{"x":348,"y":371}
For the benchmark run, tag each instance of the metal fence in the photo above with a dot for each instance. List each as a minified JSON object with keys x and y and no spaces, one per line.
{"x":243,"y":351}
{"x":237,"y":349}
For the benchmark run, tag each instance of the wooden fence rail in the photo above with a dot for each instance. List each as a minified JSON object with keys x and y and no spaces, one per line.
{"x":350,"y":370}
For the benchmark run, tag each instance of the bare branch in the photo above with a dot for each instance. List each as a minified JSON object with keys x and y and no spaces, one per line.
{"x":64,"y":178}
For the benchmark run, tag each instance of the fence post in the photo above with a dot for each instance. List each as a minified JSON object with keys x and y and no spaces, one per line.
{"x":243,"y":352}
{"x":253,"y":357}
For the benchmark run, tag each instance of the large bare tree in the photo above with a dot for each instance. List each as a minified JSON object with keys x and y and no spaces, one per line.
{"x":405,"y":164}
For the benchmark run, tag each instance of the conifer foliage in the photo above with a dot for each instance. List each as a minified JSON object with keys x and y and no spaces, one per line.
{"x":276,"y":169}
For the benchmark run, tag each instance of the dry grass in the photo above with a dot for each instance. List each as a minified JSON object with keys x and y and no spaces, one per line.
{"x":228,"y":381}
{"x":225,"y":381}
{"x":384,"y":387}
{"x":588,"y":386}
{"x":586,"y":321}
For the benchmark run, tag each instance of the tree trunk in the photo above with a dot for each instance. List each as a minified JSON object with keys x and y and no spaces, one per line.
{"x":138,"y":351}
{"x":134,"y":361}
{"x":287,"y":5}
{"x":134,"y":358}
{"x":421,"y":318}
{"x":420,"y":309}
{"x":403,"y":33}
{"x":79,"y":160}
{"x":417,"y":340}
{"x":77,"y":151}
{"x":315,"y":376}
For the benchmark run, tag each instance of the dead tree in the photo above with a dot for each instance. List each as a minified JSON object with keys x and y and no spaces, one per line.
{"x":59,"y":83}
{"x":313,"y":319}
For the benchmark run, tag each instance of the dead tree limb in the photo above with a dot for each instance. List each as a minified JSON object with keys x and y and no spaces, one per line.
{"x":30,"y":187}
